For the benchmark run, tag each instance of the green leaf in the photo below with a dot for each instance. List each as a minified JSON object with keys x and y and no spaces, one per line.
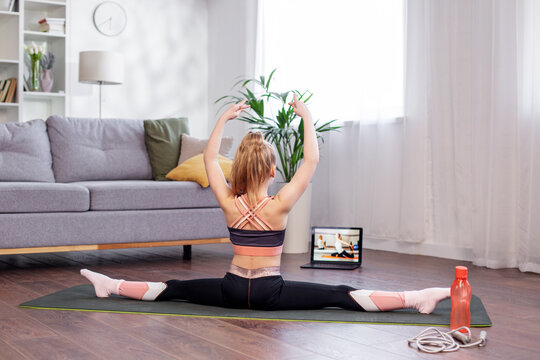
{"x":221,"y":98}
{"x":270,"y":79}
{"x":326,"y":126}
{"x":226,"y":97}
{"x":301,"y":130}
{"x":261,"y":108}
{"x":251,"y":95}
{"x":240,"y":82}
{"x":284,"y":96}
{"x":308,"y":98}
{"x":246,"y":82}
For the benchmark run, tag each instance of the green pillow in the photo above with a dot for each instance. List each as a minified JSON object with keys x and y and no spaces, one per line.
{"x":163,"y":138}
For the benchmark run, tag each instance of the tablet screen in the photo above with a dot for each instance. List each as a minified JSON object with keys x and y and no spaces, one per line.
{"x":336,"y":244}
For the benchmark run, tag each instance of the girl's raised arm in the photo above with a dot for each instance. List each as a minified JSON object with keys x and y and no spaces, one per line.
{"x":291,"y":192}
{"x":215,"y":176}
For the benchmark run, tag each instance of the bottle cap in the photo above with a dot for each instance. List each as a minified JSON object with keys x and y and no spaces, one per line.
{"x":461,"y":272}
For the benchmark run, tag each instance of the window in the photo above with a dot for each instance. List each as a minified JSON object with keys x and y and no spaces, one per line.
{"x":349,"y":53}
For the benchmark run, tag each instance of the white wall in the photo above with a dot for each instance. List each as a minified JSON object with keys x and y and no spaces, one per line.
{"x":231,"y":54}
{"x":166,"y":61}
{"x":206,"y":46}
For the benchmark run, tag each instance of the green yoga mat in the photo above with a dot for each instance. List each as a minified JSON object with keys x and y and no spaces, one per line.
{"x":83,"y":298}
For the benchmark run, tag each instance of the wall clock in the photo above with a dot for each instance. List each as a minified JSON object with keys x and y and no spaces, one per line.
{"x":110,"y":18}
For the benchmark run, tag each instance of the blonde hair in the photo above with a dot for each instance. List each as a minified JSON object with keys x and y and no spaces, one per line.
{"x":252,"y":165}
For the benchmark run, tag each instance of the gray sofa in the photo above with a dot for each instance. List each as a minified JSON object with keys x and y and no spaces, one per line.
{"x":78,"y":184}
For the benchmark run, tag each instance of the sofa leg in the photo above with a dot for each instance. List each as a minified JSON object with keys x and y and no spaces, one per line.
{"x":187,"y":252}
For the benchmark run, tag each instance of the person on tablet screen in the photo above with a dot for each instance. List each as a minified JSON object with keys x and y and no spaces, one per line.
{"x":340,"y":252}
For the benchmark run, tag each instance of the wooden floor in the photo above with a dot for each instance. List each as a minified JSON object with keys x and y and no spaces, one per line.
{"x":511,"y":298}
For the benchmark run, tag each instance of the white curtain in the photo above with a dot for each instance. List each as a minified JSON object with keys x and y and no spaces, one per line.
{"x":528,"y":224}
{"x":460,"y":176}
{"x":328,"y":48}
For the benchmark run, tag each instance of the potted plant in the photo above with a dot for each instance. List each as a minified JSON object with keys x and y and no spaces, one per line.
{"x":270,"y":113}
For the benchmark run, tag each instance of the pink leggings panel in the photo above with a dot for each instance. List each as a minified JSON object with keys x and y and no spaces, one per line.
{"x":133,"y":289}
{"x":386,"y":300}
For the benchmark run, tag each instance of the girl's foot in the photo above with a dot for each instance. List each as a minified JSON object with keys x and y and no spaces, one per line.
{"x":103,"y":285}
{"x":425,"y":300}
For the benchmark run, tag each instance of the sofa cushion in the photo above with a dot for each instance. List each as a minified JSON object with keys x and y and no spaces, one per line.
{"x":25,"y":153}
{"x":23,"y":197}
{"x":106,"y":227}
{"x":147,"y":195}
{"x":194,"y":170}
{"x":163,"y":140}
{"x":192,"y":146}
{"x":92,"y":149}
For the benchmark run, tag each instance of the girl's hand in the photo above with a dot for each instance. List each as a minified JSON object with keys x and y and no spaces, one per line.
{"x":234,"y":110}
{"x":299,"y":107}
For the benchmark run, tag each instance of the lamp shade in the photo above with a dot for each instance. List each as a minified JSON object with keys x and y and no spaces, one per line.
{"x":101,"y":67}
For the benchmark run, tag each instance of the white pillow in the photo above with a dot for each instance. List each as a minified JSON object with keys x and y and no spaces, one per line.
{"x":192,"y":146}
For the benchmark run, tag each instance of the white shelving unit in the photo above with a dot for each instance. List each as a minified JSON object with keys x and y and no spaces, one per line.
{"x":21,"y":27}
{"x":30,"y":35}
{"x":10,"y":60}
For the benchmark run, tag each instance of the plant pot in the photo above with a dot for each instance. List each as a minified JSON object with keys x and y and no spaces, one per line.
{"x":47,"y":80}
{"x":298,"y":234}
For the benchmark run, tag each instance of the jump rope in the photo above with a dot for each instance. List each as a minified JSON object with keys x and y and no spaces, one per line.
{"x":433,"y":340}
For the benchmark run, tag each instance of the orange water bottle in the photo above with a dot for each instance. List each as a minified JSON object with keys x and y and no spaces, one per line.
{"x":461,"y":300}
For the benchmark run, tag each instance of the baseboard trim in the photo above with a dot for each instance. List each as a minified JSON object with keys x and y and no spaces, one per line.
{"x":48,"y":249}
{"x":426,"y":249}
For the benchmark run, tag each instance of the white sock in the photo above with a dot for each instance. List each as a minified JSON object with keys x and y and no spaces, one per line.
{"x":425,"y":300}
{"x":103,"y":285}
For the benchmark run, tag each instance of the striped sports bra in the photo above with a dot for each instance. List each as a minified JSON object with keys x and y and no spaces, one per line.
{"x":261,"y":242}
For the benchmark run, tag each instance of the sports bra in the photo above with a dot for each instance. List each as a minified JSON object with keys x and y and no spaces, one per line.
{"x":261,"y":242}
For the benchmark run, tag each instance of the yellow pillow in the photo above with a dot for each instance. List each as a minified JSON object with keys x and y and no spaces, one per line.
{"x":193,"y":170}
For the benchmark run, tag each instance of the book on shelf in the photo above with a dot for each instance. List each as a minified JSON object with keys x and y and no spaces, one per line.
{"x":11,"y":91}
{"x":3,"y":91}
{"x":7,"y":90}
{"x":52,"y":25}
{"x":57,"y":29}
{"x":52,"y":21}
{"x":11,"y":6}
{"x":2,"y":84}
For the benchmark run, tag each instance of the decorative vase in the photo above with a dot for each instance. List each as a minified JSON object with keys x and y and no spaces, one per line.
{"x":298,"y":234}
{"x":47,"y":80}
{"x":36,"y":72}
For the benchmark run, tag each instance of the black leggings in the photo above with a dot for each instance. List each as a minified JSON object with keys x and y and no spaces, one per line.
{"x":264,"y":293}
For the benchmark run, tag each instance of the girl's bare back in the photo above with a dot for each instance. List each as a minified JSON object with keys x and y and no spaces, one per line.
{"x":274,"y":215}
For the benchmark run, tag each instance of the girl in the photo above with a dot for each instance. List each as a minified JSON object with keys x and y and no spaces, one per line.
{"x":320,"y":243}
{"x":257,"y":229}
{"x":339,"y":247}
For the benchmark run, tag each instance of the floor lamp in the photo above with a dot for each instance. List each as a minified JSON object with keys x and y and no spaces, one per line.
{"x":101,"y":67}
